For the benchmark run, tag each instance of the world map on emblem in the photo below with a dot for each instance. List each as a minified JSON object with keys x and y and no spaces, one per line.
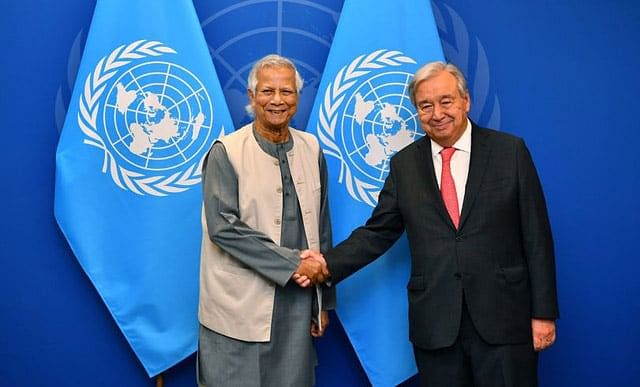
{"x":157,"y":116}
{"x":378,"y":121}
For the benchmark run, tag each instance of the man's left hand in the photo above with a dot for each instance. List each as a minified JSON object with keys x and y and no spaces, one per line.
{"x":544,"y":333}
{"x":317,"y":331}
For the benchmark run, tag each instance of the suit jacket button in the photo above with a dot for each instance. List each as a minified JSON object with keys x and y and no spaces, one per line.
{"x":458,"y":238}
{"x":457,"y":276}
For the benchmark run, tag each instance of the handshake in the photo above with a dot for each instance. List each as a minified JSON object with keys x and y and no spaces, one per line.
{"x":312,"y":269}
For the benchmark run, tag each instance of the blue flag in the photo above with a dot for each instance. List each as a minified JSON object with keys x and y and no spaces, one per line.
{"x":363,"y":116}
{"x":146,"y":107}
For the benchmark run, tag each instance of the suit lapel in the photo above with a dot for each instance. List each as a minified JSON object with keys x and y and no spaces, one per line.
{"x":480,"y":150}
{"x":428,"y":176}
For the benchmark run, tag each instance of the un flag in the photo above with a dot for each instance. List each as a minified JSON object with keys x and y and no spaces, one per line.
{"x":363,"y":116}
{"x":146,"y":107}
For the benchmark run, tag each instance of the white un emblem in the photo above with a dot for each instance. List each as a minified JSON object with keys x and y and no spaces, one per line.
{"x":154,"y":121}
{"x":366,"y":118}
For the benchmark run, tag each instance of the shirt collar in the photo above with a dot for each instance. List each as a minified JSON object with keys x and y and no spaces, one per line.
{"x":271,"y":148}
{"x":463,"y":144}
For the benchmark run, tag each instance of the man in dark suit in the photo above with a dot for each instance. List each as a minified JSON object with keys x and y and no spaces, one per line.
{"x":482,"y":292}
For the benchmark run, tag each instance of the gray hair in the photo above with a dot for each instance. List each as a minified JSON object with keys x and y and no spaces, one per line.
{"x":272,"y":60}
{"x":431,"y":69}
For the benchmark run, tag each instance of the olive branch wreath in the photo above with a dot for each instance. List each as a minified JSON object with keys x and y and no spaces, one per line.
{"x":90,"y":106}
{"x":328,"y":118}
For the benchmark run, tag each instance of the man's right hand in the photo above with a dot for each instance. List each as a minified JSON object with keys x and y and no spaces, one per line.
{"x":311,"y":270}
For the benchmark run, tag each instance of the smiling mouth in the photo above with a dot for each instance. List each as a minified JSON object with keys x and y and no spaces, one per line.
{"x":441,"y":125}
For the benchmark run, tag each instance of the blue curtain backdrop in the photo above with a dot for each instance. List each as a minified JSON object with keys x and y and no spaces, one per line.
{"x":560,"y":74}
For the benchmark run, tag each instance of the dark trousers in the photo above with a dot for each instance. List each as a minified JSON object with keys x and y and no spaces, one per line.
{"x":472,"y":362}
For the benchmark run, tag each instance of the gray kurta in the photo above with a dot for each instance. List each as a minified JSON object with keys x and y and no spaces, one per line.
{"x":289,"y":358}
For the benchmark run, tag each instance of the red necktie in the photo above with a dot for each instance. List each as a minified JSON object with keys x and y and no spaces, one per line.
{"x":448,"y":187}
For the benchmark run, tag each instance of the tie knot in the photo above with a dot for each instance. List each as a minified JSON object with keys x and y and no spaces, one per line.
{"x":446,"y":153}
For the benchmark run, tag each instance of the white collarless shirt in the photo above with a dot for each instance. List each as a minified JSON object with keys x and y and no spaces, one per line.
{"x":459,"y":162}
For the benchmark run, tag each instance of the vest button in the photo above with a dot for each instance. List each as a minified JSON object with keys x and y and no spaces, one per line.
{"x":279,"y":190}
{"x":276,"y":162}
{"x":277,"y":221}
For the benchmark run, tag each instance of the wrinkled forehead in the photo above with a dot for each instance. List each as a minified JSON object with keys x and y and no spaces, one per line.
{"x":436,"y":87}
{"x":276,"y":71}
{"x":277,"y":78}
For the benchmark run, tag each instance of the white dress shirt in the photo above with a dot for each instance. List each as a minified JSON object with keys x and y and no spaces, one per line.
{"x":459,"y":162}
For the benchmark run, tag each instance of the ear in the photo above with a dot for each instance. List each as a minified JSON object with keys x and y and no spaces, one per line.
{"x":251,"y":96}
{"x":467,"y":103}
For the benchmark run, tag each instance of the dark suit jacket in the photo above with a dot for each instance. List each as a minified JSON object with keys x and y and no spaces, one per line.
{"x":501,"y":258}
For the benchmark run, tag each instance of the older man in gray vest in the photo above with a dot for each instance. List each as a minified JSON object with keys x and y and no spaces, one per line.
{"x":265,"y":205}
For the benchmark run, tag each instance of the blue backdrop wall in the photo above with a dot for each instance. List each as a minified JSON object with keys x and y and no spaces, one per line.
{"x":561,"y":74}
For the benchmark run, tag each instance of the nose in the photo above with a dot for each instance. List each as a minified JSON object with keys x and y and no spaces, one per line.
{"x":276,"y":98}
{"x":437,"y":111}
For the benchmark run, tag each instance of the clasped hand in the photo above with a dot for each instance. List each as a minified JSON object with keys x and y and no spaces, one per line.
{"x":544,"y":333}
{"x":311,"y":270}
